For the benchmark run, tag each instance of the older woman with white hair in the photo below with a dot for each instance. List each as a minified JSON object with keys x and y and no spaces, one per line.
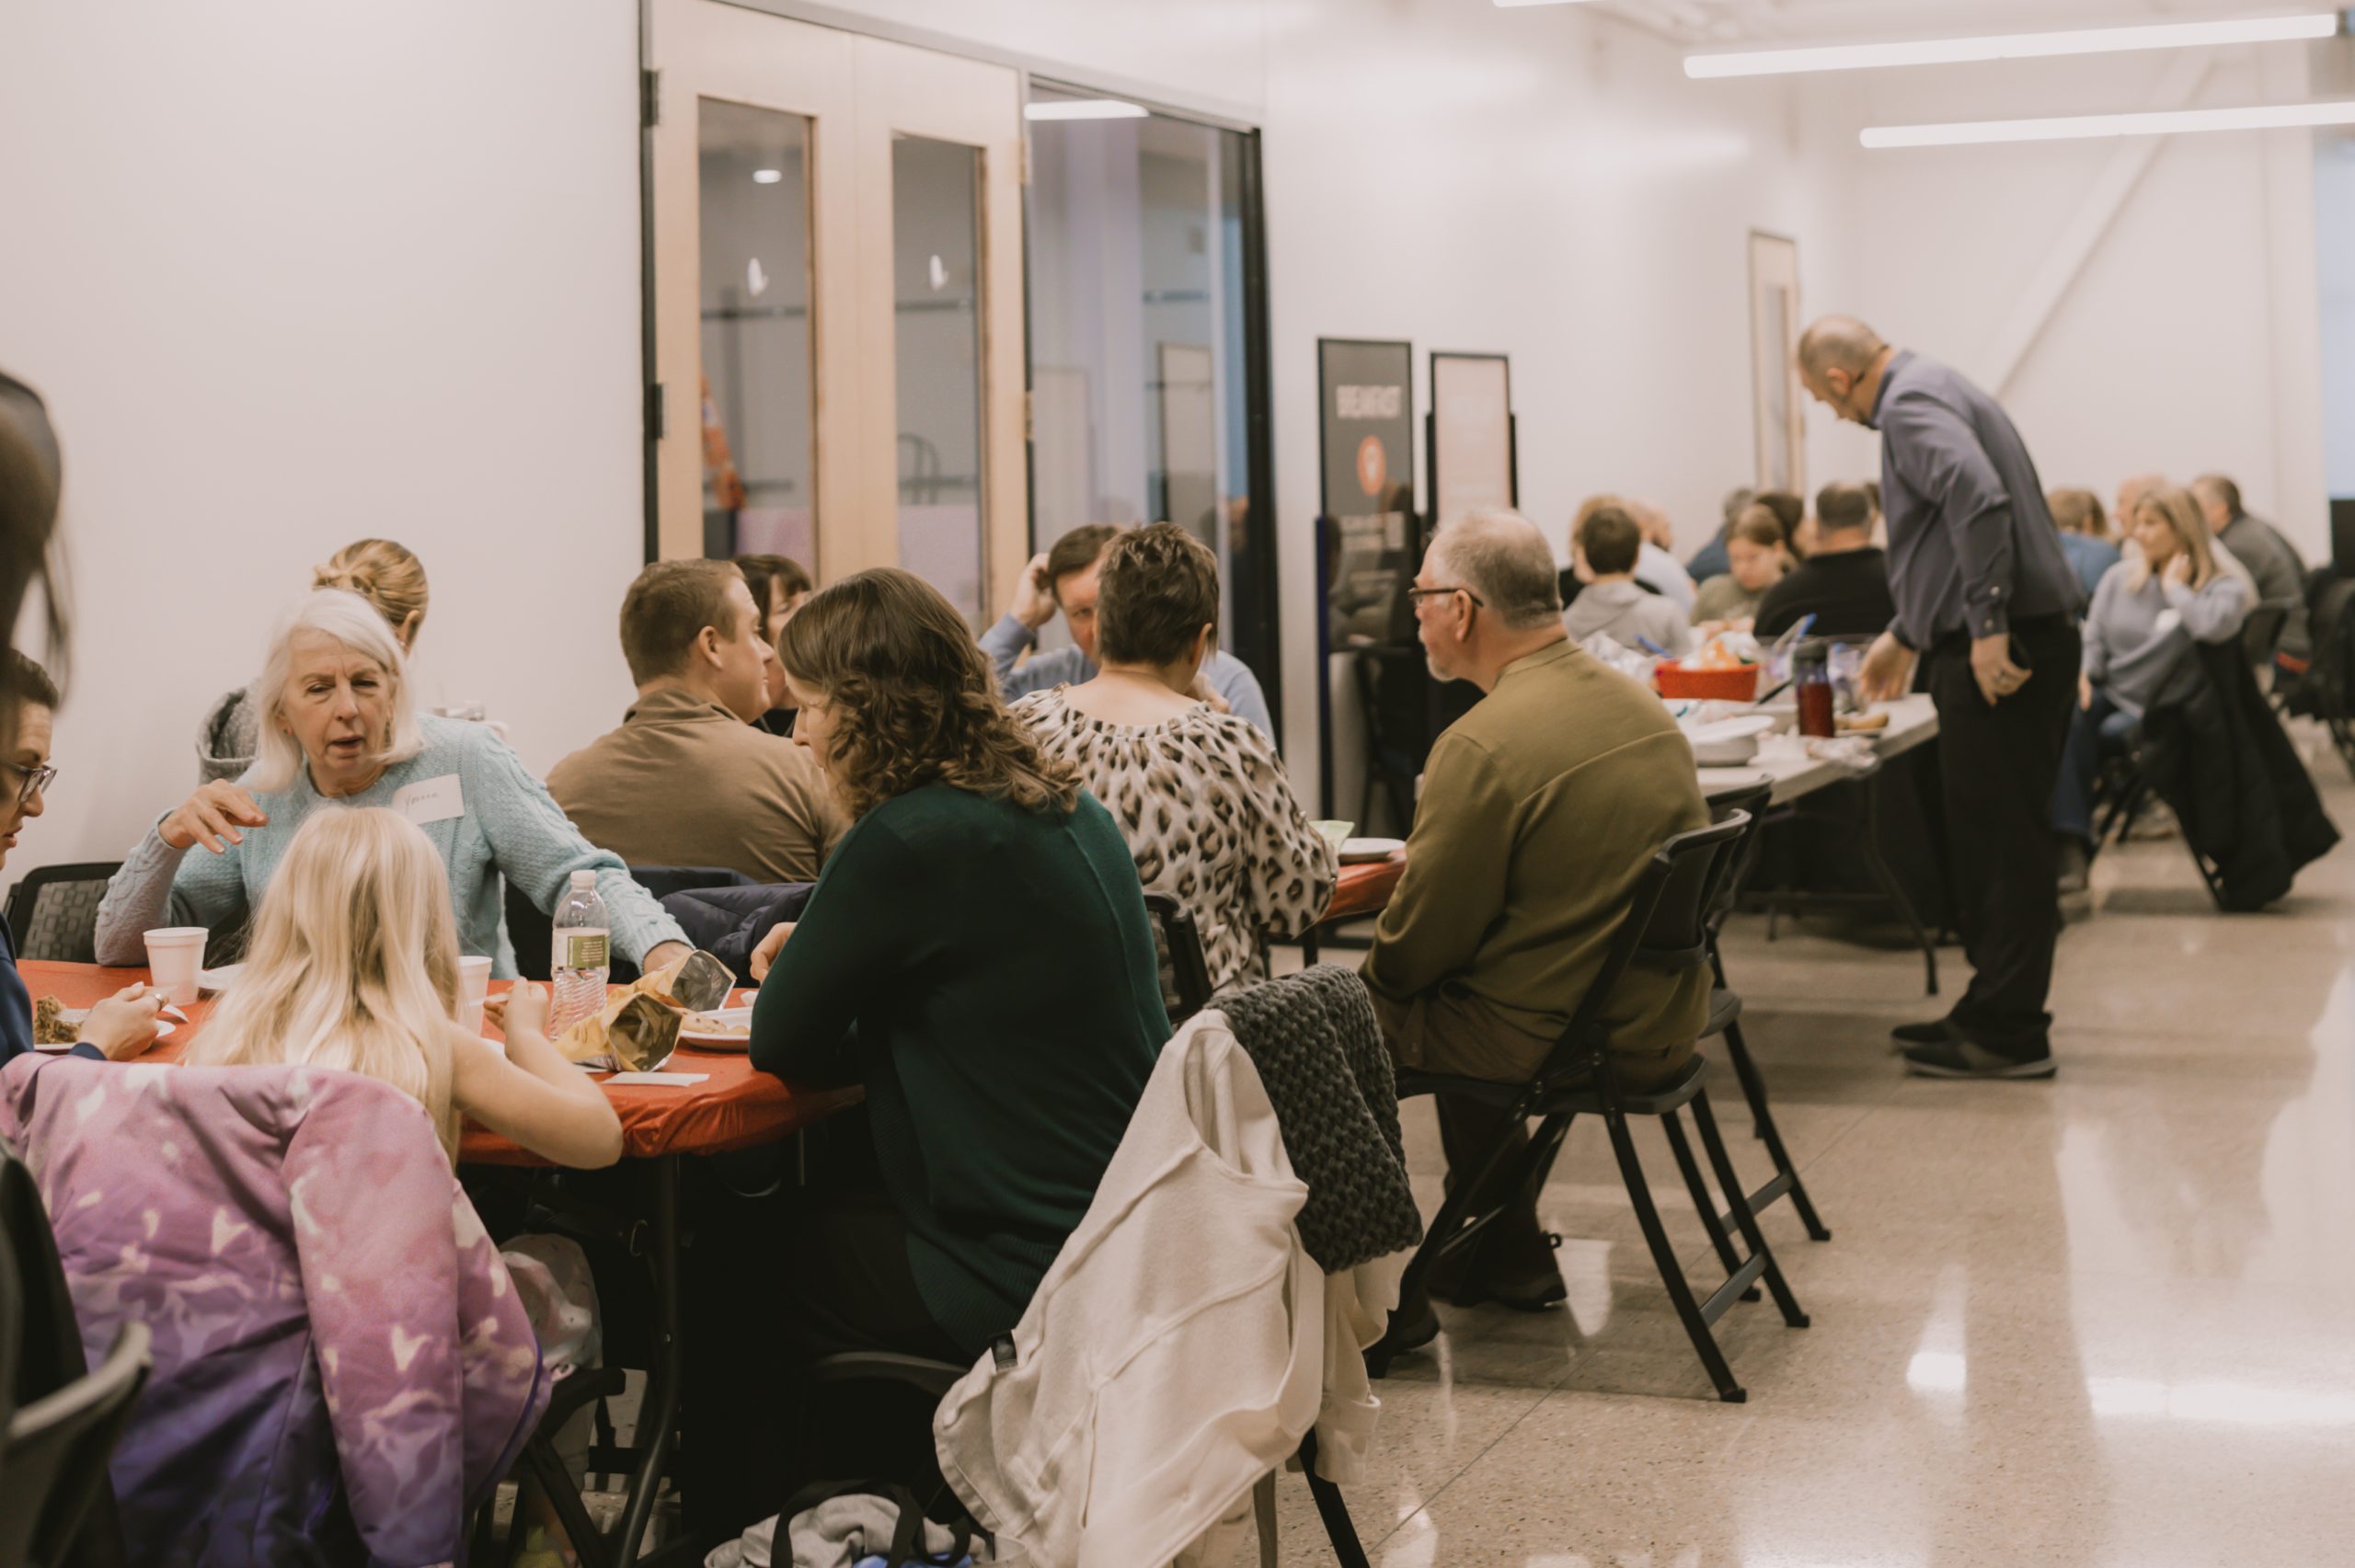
{"x":338,"y":726}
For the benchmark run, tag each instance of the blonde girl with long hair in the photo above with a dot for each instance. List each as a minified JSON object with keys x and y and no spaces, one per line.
{"x":353,"y":965}
{"x":2177,"y":591}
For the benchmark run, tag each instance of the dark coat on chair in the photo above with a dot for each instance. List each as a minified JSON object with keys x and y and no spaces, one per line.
{"x":2247,"y":808}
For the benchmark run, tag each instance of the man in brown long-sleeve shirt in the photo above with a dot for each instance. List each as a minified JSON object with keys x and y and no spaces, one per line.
{"x":1540,"y":808}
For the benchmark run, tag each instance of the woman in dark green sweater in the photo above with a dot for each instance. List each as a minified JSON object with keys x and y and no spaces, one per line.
{"x":977,"y":954}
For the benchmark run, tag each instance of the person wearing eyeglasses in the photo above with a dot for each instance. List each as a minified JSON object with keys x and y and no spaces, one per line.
{"x":1540,"y":808}
{"x":123,"y":1024}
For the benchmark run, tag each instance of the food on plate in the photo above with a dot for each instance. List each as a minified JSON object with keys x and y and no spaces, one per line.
{"x":52,"y":1025}
{"x":1863,"y":721}
{"x":708,"y":1024}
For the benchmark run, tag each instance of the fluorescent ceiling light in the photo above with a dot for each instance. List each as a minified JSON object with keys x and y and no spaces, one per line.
{"x":767,"y":177}
{"x":2012,"y":46}
{"x":1084,"y":108}
{"x":2261,"y":117}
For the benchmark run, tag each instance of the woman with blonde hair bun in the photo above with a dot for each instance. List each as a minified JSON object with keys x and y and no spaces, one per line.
{"x":388,"y":576}
{"x":353,"y":965}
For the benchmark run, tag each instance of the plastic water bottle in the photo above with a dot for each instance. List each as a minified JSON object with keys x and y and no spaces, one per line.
{"x":583,"y":955}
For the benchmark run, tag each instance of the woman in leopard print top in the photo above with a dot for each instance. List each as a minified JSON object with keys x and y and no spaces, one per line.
{"x":1200,"y":795}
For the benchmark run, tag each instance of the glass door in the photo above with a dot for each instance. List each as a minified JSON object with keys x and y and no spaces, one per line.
{"x":838,"y":302}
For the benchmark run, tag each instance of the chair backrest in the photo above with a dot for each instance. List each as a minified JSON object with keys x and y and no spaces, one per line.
{"x":2261,"y":633}
{"x":43,"y":1355}
{"x":1750,"y":803}
{"x":1185,"y":972}
{"x":1665,"y":929}
{"x":53,"y":1456}
{"x":53,"y":911}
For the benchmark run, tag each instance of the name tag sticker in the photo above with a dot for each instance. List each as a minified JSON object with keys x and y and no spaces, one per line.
{"x":430,"y":800}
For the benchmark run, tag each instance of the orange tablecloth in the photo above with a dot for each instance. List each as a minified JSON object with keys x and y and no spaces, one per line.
{"x":736,"y":1107}
{"x":1365,"y":888}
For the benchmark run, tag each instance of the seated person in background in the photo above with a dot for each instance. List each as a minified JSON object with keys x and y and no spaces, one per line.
{"x":1604,"y":546}
{"x":340,"y":725}
{"x":1790,"y":515}
{"x":1758,"y":556}
{"x":384,"y":573}
{"x":1540,"y":808}
{"x":978,"y":956}
{"x":730,"y":794}
{"x":1200,"y":796}
{"x":1844,"y":582}
{"x":2273,"y":563}
{"x":125,"y":1023}
{"x":2085,"y":535}
{"x":780,"y":586}
{"x":2138,"y":638}
{"x":1064,"y":578}
{"x":1709,"y":560}
{"x":1656,"y":568}
{"x":355,"y":966}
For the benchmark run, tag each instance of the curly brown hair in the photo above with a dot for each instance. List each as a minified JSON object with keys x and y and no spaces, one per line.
{"x":914,"y":702}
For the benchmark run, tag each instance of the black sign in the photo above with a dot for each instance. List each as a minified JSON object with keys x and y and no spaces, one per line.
{"x":1366,"y":425}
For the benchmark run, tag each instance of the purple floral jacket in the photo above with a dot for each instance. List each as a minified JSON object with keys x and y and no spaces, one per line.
{"x":342,"y":1366}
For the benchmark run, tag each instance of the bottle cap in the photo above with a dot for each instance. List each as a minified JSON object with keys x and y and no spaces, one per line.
{"x":584,"y":881}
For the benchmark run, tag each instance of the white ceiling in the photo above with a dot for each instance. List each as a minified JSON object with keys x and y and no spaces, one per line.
{"x":1828,"y":21}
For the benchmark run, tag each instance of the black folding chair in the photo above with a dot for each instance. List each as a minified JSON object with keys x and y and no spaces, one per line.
{"x":1664,"y":930}
{"x":1725,"y":1016}
{"x":2261,"y":633}
{"x":53,"y":911}
{"x":53,"y":1459}
{"x":55,"y":1530}
{"x":1185,"y":971}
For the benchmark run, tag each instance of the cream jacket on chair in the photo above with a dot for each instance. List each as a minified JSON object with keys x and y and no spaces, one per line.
{"x":1173,"y":1354}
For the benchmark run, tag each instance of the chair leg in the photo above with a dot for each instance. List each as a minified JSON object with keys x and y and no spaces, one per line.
{"x":1340,"y":1528}
{"x":1761,"y":1121}
{"x":592,"y":1549}
{"x":1704,"y":1202}
{"x":1746,"y":1222}
{"x":1671,"y":1272}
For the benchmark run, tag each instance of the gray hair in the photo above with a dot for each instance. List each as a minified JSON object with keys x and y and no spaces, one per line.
{"x":348,"y":619}
{"x":1503,"y":558}
{"x":1839,"y":343}
{"x":1736,"y":502}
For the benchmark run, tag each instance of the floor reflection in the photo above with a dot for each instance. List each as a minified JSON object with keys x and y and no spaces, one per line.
{"x":2095,"y":1321}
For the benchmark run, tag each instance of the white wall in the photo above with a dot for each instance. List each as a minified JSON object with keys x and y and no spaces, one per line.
{"x":301,"y":273}
{"x":2185,"y":343}
{"x":1545,"y":184}
{"x":291,"y":274}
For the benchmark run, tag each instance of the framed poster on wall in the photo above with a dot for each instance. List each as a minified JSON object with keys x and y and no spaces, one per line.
{"x":1367,"y":539}
{"x":1776,"y":397}
{"x":1470,"y":435}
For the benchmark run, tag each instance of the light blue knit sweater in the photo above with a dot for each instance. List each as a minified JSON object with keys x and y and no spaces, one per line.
{"x":509,"y":827}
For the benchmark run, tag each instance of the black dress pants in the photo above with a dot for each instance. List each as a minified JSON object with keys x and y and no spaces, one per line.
{"x":1997,"y":765}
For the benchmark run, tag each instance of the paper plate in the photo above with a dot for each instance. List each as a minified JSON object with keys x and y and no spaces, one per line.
{"x":1357,"y":851}
{"x":162,"y":1032}
{"x":723,"y":1039}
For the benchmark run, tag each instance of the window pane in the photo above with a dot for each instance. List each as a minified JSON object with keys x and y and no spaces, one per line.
{"x":937,"y":252}
{"x":759,"y":462}
{"x":1140,"y":409}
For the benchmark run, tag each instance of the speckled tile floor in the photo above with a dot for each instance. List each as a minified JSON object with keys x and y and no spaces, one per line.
{"x":2104,"y":1319}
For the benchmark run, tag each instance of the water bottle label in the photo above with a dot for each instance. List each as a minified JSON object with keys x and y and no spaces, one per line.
{"x":580,"y":950}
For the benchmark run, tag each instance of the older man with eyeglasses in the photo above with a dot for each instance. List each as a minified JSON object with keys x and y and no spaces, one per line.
{"x":1540,"y":808}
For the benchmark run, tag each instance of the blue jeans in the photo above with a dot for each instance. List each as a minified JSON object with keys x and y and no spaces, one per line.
{"x":2103,"y":730}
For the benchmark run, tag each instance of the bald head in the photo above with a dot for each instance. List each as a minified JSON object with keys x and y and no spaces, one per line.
{"x":1501,"y":557}
{"x":1839,"y":343}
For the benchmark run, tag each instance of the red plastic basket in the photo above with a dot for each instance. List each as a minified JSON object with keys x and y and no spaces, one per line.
{"x":1738,"y":684}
